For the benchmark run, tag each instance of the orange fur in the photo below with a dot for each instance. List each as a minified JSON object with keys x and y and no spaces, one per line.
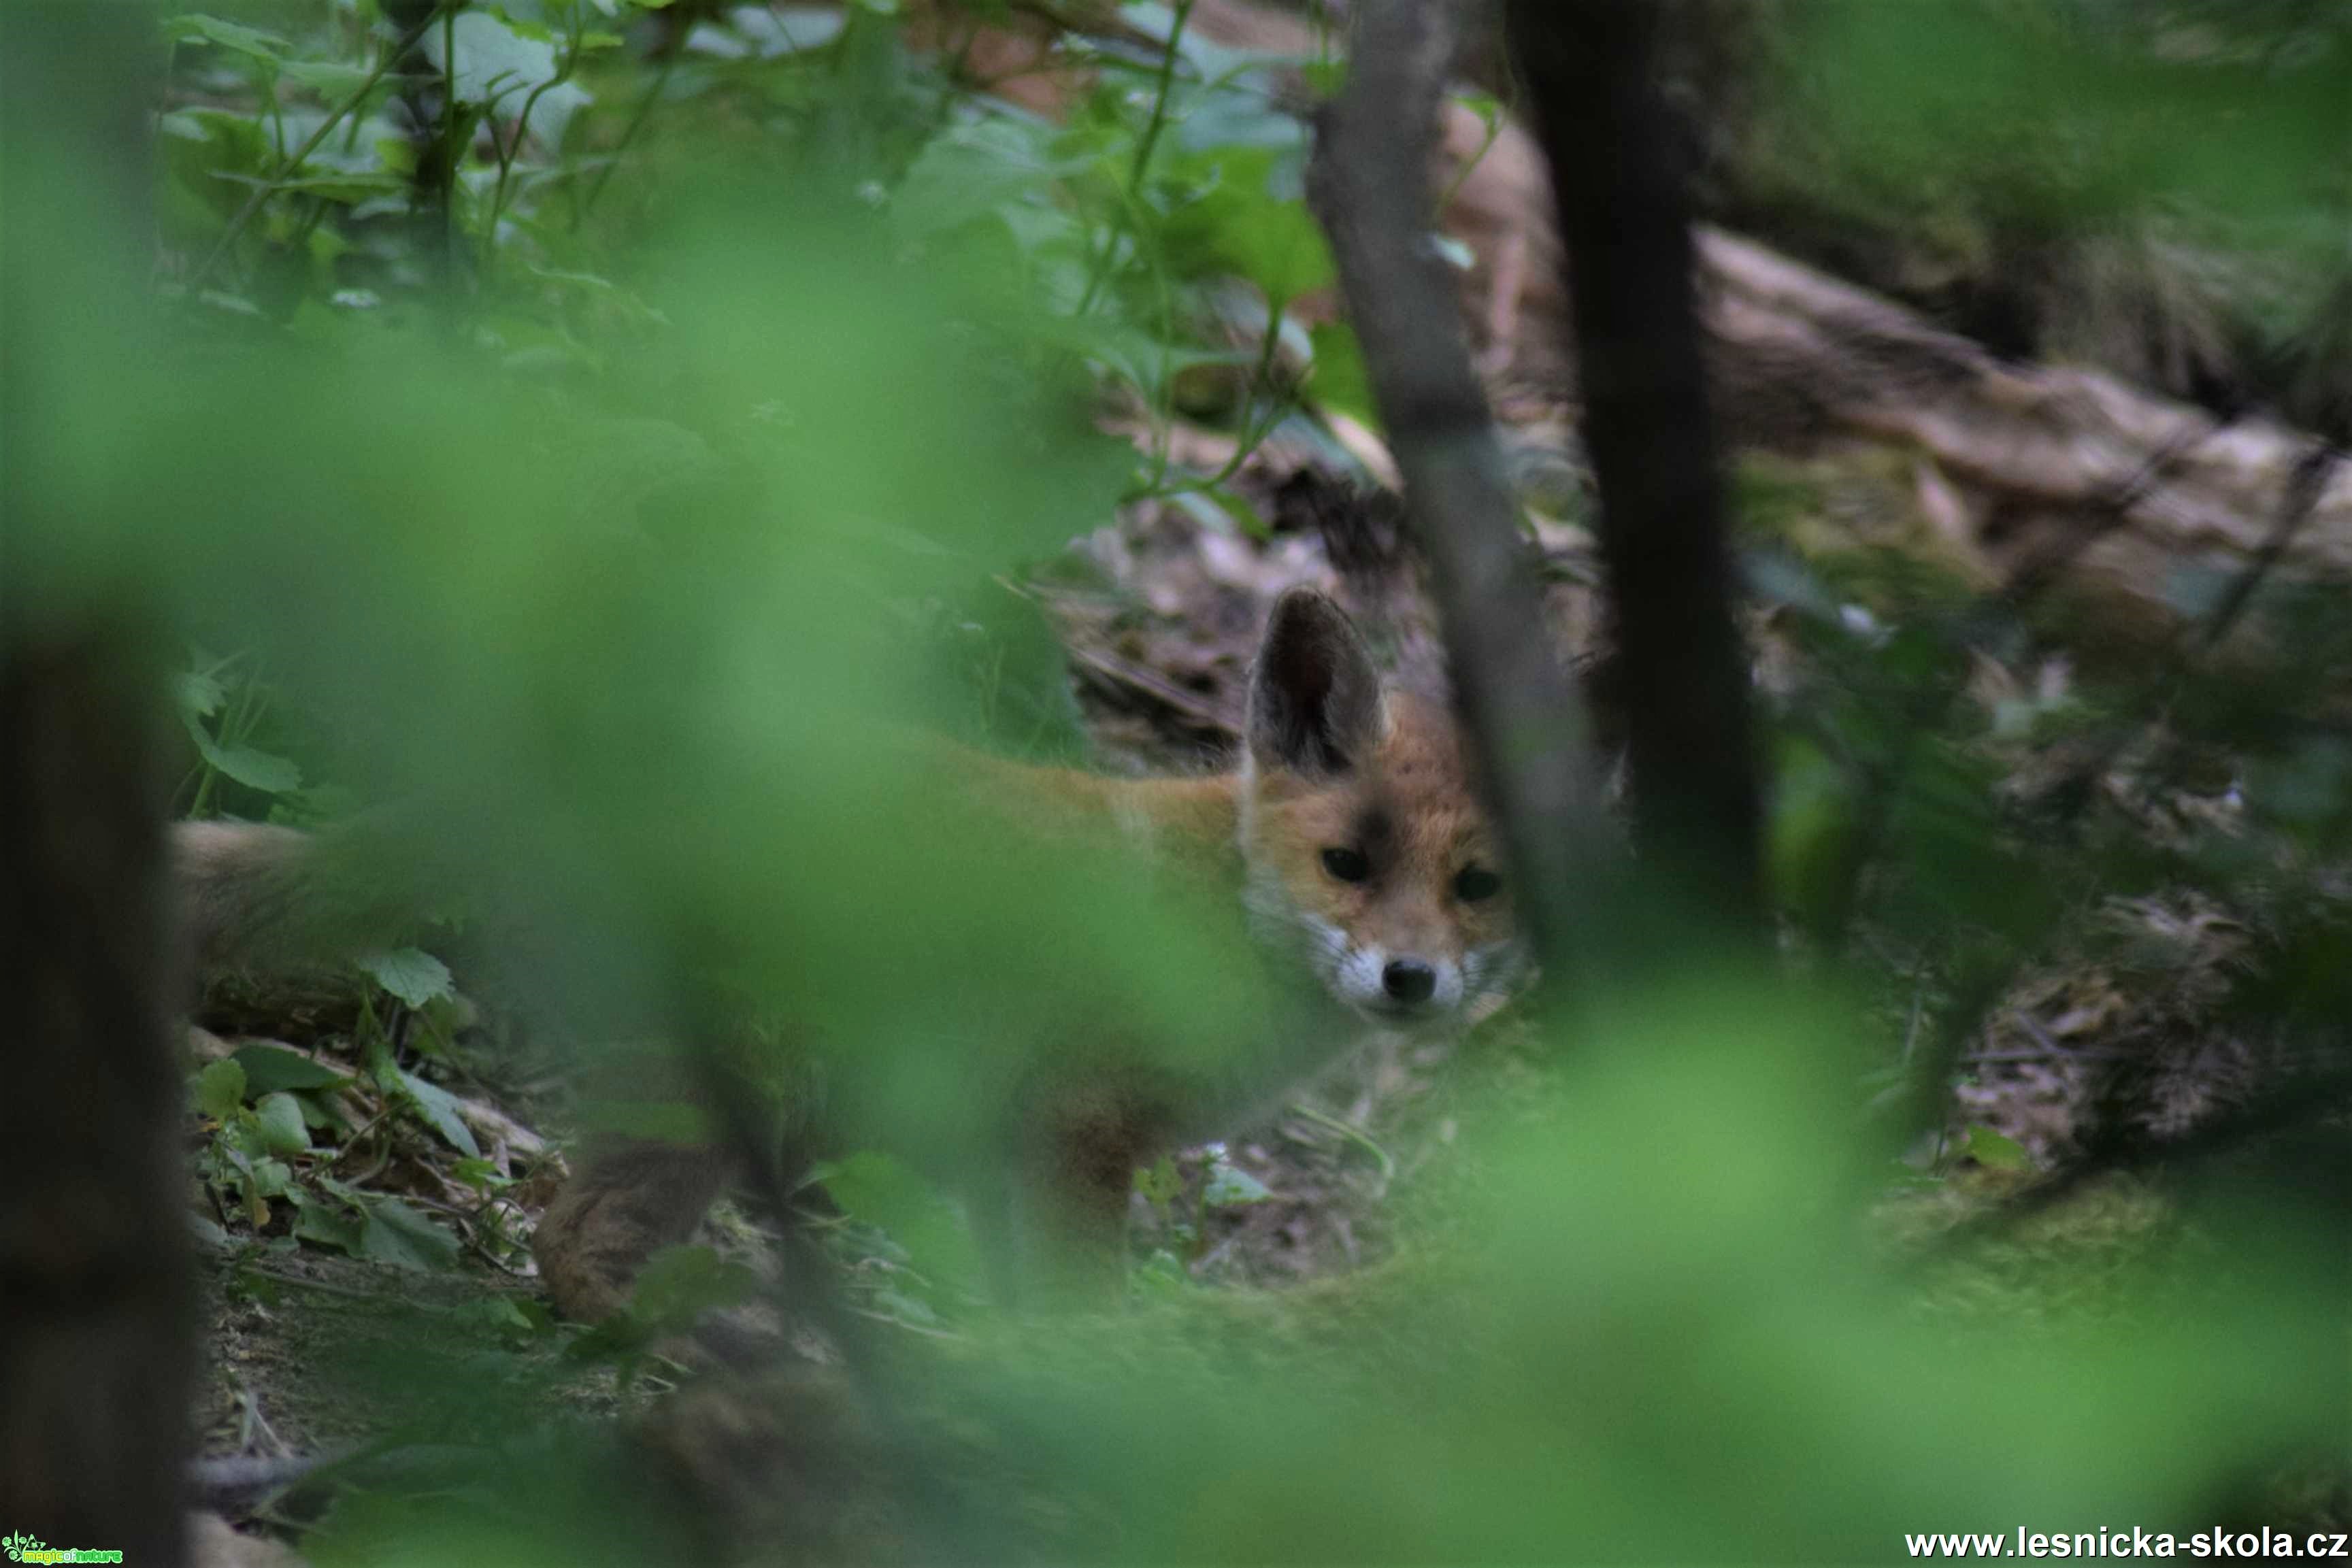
{"x":1344,"y":838}
{"x":1413,"y":809}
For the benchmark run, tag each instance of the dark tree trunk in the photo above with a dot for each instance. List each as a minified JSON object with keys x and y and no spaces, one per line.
{"x":95,"y":1355}
{"x":1615,"y":159}
{"x":94,"y":1289}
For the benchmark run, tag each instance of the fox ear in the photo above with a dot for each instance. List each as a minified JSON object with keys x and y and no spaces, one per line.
{"x":1314,"y":697}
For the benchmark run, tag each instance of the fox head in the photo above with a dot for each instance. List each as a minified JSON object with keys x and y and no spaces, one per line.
{"x":1366,"y":848}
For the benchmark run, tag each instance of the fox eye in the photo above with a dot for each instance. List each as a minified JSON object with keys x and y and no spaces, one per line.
{"x":1477,"y":883}
{"x":1348,"y":865}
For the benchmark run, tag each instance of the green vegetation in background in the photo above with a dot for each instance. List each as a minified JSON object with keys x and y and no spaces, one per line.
{"x":2161,"y":189}
{"x":609,"y":554}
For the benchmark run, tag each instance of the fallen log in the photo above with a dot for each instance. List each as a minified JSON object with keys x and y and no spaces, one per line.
{"x":2023,"y":471}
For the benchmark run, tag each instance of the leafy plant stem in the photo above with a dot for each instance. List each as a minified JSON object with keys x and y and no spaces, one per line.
{"x":1099,"y":264}
{"x":1153,"y":127}
{"x":628,"y":134}
{"x":1256,"y":428}
{"x":514,"y":147}
{"x":449,"y":124}
{"x":286,"y":169}
{"x":1494,"y":123}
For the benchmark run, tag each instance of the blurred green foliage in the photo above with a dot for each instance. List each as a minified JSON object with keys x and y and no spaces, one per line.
{"x":633,"y":516}
{"x":2156,"y":186}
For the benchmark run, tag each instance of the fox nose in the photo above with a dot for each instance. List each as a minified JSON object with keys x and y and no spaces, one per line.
{"x":1408,"y":980}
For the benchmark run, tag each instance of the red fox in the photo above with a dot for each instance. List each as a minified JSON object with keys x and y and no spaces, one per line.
{"x":1350,"y":837}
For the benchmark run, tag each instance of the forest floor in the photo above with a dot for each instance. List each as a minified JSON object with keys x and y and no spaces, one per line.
{"x":313,"y":1348}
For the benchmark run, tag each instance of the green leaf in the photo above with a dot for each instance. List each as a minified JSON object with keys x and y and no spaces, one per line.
{"x":1339,"y":380}
{"x":501,"y":61}
{"x":1160,"y":1183}
{"x":1242,"y":223}
{"x":1220,"y":509}
{"x":328,"y":78}
{"x":327,"y":1224}
{"x":776,"y":31}
{"x":393,"y":1233}
{"x":1810,"y":831}
{"x":504,"y":1316}
{"x":254,"y":770}
{"x":973,"y":170}
{"x":413,"y":976}
{"x":280,"y":1119}
{"x":220,"y":1090}
{"x":271,"y":1067}
{"x":480,"y":1174}
{"x":271,"y":1178}
{"x":1230,"y":1186}
{"x":197,"y":28}
{"x":679,"y":1284}
{"x":891,"y":1196}
{"x":1995,"y":1150}
{"x":197,"y":694}
{"x":320,"y":1114}
{"x":438,"y":1108}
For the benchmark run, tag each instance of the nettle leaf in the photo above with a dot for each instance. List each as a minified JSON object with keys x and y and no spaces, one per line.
{"x":410,"y":974}
{"x":280,"y":1119}
{"x":220,"y":1090}
{"x":1245,"y":221}
{"x":269,"y":1068}
{"x":392,"y":1232}
{"x":197,"y":694}
{"x":500,"y":61}
{"x":327,"y":1224}
{"x":253,"y":768}
{"x":438,"y":1108}
{"x":197,"y":28}
{"x":973,"y":172}
{"x":270,"y":1178}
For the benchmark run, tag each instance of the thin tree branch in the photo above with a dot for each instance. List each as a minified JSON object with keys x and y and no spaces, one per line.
{"x":1370,"y":185}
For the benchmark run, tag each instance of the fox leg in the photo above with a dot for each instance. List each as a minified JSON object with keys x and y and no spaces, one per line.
{"x":1059,"y":1215}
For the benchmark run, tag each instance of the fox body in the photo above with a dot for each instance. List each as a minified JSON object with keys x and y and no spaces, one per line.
{"x":1350,"y":839}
